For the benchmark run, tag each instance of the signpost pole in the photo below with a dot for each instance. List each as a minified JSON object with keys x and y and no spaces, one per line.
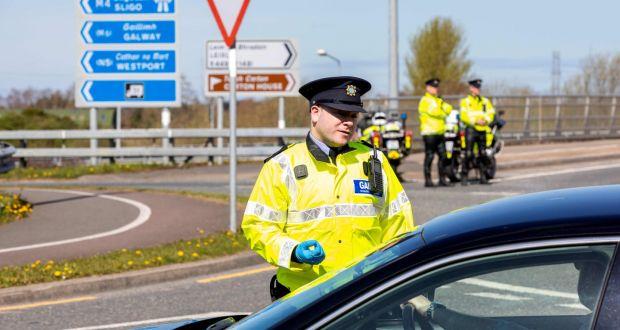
{"x":220,"y":125}
{"x":232,"y":67}
{"x":93,"y":128}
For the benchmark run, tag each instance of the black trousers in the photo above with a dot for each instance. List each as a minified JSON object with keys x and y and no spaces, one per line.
{"x":472,"y":137}
{"x":434,"y":144}
{"x":276,"y":289}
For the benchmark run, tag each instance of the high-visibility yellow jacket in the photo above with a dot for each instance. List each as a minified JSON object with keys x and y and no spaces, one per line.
{"x":328,"y":201}
{"x":433,"y":111}
{"x":474,"y":108}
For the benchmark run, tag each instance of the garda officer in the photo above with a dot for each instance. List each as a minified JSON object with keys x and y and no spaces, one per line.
{"x":433,"y":112}
{"x":321,"y":203}
{"x":477,"y":113}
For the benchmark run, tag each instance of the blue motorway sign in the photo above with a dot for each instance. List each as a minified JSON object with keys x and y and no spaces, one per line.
{"x":129,"y":90}
{"x":128,"y":32}
{"x":129,"y":61}
{"x":127,"y":6}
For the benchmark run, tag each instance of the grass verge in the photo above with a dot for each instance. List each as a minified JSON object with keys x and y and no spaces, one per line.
{"x":13,"y":208}
{"x":207,"y":246}
{"x":72,"y":172}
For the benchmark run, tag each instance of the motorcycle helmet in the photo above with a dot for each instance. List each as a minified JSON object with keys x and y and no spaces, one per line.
{"x":379,"y":119}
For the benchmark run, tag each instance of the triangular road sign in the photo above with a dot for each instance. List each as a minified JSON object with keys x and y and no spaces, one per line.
{"x":228,"y":16}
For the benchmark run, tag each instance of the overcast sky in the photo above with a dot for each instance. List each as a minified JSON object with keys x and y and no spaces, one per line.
{"x":509,"y":41}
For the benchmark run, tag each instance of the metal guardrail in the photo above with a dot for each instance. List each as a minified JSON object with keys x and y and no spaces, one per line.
{"x":528,"y":118}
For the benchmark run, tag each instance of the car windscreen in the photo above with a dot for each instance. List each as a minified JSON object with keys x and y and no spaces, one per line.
{"x":330,"y":282}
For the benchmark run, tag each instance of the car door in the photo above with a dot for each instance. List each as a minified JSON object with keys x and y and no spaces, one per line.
{"x":542,"y":285}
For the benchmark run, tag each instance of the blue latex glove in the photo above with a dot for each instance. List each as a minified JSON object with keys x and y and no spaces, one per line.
{"x":310,"y":252}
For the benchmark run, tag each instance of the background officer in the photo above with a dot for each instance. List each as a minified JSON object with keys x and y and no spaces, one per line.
{"x":433,"y":112}
{"x":319,"y":204}
{"x":477,"y":113}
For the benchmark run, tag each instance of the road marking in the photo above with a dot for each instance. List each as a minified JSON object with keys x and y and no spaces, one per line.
{"x":162,"y":320}
{"x":143,"y":216}
{"x":518,"y":288}
{"x":497,"y":296}
{"x":557,"y":172}
{"x":46,"y":303}
{"x":235,"y":275}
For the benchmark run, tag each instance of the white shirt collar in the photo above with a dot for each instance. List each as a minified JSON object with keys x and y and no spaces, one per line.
{"x":324,"y":147}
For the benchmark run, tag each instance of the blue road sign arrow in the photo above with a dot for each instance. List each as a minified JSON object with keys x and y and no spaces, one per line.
{"x":128,"y":6}
{"x":129,"y":61}
{"x":129,"y":90}
{"x":128,"y":32}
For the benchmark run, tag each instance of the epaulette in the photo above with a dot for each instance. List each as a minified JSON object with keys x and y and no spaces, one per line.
{"x":278,"y":152}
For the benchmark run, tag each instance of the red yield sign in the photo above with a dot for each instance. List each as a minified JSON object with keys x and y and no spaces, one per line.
{"x":258,"y":84}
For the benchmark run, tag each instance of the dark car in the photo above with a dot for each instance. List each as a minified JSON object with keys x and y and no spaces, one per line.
{"x":536,"y":261}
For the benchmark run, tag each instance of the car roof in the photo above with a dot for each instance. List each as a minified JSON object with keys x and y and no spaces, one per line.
{"x":552,"y":214}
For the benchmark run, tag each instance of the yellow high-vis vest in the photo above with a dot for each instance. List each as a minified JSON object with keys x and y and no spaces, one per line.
{"x":303,"y":194}
{"x":474,"y":108}
{"x":433,"y":112}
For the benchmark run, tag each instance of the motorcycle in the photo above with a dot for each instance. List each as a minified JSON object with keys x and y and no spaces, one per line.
{"x":454,"y":140}
{"x":494,"y":146}
{"x":394,"y":140}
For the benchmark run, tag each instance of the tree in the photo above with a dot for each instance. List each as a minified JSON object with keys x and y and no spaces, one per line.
{"x":600,"y":75}
{"x":438,"y":50}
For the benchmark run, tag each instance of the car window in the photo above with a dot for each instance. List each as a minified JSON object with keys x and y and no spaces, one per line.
{"x":331,"y":282}
{"x":553,"y":288}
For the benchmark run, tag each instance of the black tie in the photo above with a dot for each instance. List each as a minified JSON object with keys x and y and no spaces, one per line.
{"x":333,"y":152}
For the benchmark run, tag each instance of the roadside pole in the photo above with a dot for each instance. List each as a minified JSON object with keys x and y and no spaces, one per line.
{"x":220,"y":125}
{"x":165,"y":124}
{"x":232,"y":71}
{"x":229,"y":27}
{"x":393,"y":86}
{"x":93,"y":128}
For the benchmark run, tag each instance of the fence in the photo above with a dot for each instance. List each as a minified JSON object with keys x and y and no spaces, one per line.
{"x":528,"y":118}
{"x":535,"y":117}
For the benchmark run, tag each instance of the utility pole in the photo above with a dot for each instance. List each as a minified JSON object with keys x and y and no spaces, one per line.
{"x":556,"y":73}
{"x":393,"y":84}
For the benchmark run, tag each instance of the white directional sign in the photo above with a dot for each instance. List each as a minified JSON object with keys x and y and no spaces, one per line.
{"x":265,"y":68}
{"x":127,"y":54}
{"x":251,"y":55}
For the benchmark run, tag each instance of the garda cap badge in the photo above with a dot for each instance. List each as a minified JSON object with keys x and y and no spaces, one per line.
{"x":351,"y":90}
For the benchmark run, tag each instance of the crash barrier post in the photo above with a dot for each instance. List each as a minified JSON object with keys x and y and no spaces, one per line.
{"x":558,"y":118}
{"x":526,"y":118}
{"x":586,"y":116}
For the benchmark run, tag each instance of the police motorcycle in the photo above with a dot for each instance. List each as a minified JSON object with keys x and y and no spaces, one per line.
{"x":389,"y":134}
{"x":494,"y":145}
{"x":454,"y":138}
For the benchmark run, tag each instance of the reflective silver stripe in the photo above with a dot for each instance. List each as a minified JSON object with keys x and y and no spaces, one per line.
{"x":397,"y":204}
{"x":264,"y":212}
{"x":286,"y":249}
{"x":331,"y":211}
{"x":288,"y":178}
